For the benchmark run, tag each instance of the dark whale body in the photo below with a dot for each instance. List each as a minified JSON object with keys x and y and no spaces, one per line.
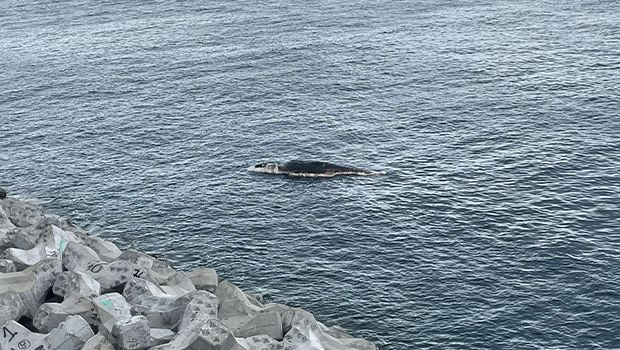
{"x":310,"y":169}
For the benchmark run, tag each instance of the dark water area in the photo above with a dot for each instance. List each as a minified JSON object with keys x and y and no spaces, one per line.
{"x":496,"y":226}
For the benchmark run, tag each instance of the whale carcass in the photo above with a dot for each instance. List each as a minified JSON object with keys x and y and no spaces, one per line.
{"x":310,"y":169}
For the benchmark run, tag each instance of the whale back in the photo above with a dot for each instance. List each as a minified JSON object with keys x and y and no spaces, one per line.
{"x":315,"y":167}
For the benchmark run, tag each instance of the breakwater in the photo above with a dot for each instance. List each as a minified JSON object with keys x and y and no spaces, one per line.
{"x":61,"y":288}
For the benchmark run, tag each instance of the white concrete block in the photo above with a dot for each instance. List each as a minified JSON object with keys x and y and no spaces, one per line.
{"x":132,"y":333}
{"x":256,"y":299}
{"x":109,"y":275}
{"x":212,"y":334}
{"x":5,"y":222}
{"x":185,"y":338}
{"x":177,"y":283}
{"x":161,"y":336}
{"x":201,"y":308}
{"x":32,"y":283}
{"x":269,"y":323}
{"x":163,"y":311}
{"x":50,"y":315}
{"x":71,"y":334}
{"x":78,"y":256}
{"x":275,"y":307}
{"x":26,"y":258}
{"x":303,"y":339}
{"x":204,"y":279}
{"x":233,"y":302}
{"x":7,"y":266}
{"x":107,"y":251}
{"x":76,"y":282}
{"x":15,"y":336}
{"x":98,"y":342}
{"x":11,"y":307}
{"x":110,"y":308}
{"x":138,"y":287}
{"x":23,"y":212}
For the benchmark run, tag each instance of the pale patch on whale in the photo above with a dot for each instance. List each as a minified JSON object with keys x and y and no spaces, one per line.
{"x":310,"y":169}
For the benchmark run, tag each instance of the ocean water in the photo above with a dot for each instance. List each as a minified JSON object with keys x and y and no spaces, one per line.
{"x":497,"y":225}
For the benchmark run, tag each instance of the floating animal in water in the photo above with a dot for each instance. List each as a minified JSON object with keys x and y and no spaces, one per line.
{"x":310,"y":169}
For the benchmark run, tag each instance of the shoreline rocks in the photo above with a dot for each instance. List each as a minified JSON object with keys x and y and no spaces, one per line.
{"x":63,"y":289}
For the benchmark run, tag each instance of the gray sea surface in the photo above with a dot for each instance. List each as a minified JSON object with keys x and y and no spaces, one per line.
{"x":497,"y":225}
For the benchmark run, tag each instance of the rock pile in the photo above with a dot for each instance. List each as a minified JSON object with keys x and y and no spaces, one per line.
{"x":63,"y":289}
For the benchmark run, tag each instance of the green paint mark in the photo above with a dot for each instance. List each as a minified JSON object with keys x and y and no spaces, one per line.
{"x":62,"y":244}
{"x":107,"y":303}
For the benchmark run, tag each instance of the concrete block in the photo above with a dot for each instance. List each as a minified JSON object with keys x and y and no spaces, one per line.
{"x":148,"y":267}
{"x":256,"y":299}
{"x":138,"y":287}
{"x":298,"y":317}
{"x":235,"y":322}
{"x":98,"y":342}
{"x":204,"y":279}
{"x":161,"y":336}
{"x":50,"y":315}
{"x":26,"y":258}
{"x":211,"y":336}
{"x":269,"y":323}
{"x":132,"y":333}
{"x":233,"y":302}
{"x":107,"y":251}
{"x":76,"y":282}
{"x":109,"y":275}
{"x":335,"y":331}
{"x":233,"y":343}
{"x":162,"y":311}
{"x":303,"y":339}
{"x":201,"y":308}
{"x":177,"y":284}
{"x":16,"y":336}
{"x":11,"y":307}
{"x":32,"y":284}
{"x":5,"y":222}
{"x":71,"y":334}
{"x":258,"y":342}
{"x":184,"y":339}
{"x":18,"y":238}
{"x":304,"y":320}
{"x":275,"y":307}
{"x":110,"y":308}
{"x":7,"y":266}
{"x":78,"y":256}
{"x":23,"y":212}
